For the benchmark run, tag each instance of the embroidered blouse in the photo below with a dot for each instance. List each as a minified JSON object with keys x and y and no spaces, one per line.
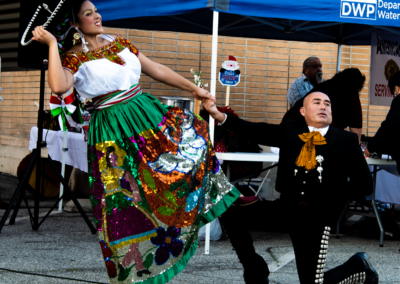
{"x":107,"y":69}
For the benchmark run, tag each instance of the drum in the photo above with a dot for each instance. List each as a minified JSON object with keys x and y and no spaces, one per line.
{"x":49,"y":179}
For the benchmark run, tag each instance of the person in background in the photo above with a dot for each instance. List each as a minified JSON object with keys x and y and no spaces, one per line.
{"x":312,"y":75}
{"x":343,"y":91}
{"x":319,"y":168}
{"x":386,"y":139}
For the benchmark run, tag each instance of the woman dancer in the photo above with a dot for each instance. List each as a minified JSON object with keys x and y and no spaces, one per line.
{"x":154,"y":178}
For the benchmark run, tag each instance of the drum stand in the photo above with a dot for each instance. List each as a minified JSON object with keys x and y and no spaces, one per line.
{"x":36,"y":159}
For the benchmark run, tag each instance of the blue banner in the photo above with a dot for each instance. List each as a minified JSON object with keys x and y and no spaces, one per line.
{"x":311,"y":20}
{"x":367,"y":12}
{"x":125,"y":9}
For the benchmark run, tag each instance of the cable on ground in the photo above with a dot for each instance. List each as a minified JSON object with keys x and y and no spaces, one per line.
{"x":49,"y":276}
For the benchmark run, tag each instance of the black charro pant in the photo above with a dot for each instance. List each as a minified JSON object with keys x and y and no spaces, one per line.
{"x":307,"y":225}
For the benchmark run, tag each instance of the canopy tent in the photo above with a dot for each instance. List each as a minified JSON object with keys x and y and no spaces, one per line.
{"x":349,"y":22}
{"x":340,"y":21}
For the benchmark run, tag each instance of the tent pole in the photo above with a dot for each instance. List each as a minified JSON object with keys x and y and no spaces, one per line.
{"x":339,"y":58}
{"x":214,"y":55}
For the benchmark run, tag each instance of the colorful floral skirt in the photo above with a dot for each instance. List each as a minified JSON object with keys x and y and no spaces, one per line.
{"x":154,"y":181}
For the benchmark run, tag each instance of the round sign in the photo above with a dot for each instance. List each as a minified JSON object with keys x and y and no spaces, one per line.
{"x":391,"y":67}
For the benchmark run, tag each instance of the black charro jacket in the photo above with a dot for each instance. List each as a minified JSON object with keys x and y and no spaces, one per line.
{"x":387,"y":138}
{"x":345,"y":171}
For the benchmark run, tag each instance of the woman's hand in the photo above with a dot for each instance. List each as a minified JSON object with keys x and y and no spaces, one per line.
{"x":210,"y":106}
{"x":43,"y":36}
{"x":202,"y":95}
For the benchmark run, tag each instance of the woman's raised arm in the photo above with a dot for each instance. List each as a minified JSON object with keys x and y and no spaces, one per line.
{"x":60,"y":80}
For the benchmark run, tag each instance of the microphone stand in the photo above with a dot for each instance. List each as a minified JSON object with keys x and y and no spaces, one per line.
{"x":19,"y":193}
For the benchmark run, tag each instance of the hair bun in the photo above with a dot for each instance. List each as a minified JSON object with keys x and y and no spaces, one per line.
{"x":62,"y":28}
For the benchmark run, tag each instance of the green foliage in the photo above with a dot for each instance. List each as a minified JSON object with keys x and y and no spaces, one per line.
{"x":123,"y":272}
{"x":170,"y":197}
{"x":148,"y":179}
{"x":148,"y":262}
{"x":166,"y":211}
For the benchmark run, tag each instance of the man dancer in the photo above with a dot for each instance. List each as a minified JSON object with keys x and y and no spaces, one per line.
{"x":319,"y":168}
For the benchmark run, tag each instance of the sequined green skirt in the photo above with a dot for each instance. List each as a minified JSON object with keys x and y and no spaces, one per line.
{"x":154,"y":181}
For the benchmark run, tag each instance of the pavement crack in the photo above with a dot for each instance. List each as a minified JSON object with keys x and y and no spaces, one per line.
{"x":269,"y":250}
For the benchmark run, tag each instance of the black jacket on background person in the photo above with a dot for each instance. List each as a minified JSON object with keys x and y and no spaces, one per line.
{"x":343,"y":91}
{"x":387,"y":138}
{"x":345,"y":171}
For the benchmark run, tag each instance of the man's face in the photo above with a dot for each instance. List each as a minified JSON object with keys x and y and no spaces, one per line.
{"x":314,"y":71}
{"x":317,"y":110}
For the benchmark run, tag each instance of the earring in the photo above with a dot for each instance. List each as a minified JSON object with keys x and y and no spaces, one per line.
{"x":84,"y":43}
{"x":76,"y":38}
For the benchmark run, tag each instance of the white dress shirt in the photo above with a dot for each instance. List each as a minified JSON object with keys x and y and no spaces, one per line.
{"x":222,"y":123}
{"x":323,"y":131}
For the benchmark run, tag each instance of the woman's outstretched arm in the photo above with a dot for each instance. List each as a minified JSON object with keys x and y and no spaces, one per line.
{"x":60,"y":80}
{"x":167,"y":76}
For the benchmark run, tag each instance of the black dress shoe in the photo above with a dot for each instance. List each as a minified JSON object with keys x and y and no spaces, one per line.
{"x":371,"y":275}
{"x":262,"y":281}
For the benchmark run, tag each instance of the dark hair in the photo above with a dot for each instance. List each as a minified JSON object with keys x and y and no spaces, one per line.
{"x":394,"y":81}
{"x":110,"y":150}
{"x":351,"y":79}
{"x":348,"y":82}
{"x":307,"y":62}
{"x":68,"y":13}
{"x":76,"y":6}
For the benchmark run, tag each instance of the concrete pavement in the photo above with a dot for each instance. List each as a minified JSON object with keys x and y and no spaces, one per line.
{"x":64,"y":247}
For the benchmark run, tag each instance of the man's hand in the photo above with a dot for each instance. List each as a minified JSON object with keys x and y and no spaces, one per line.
{"x":367,"y":153}
{"x":210,"y":106}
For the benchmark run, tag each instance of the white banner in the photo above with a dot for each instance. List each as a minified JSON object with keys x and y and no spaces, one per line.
{"x":385,"y":61}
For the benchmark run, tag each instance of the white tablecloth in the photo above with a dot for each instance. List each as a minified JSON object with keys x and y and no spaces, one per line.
{"x":76,"y":155}
{"x":387,"y":185}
